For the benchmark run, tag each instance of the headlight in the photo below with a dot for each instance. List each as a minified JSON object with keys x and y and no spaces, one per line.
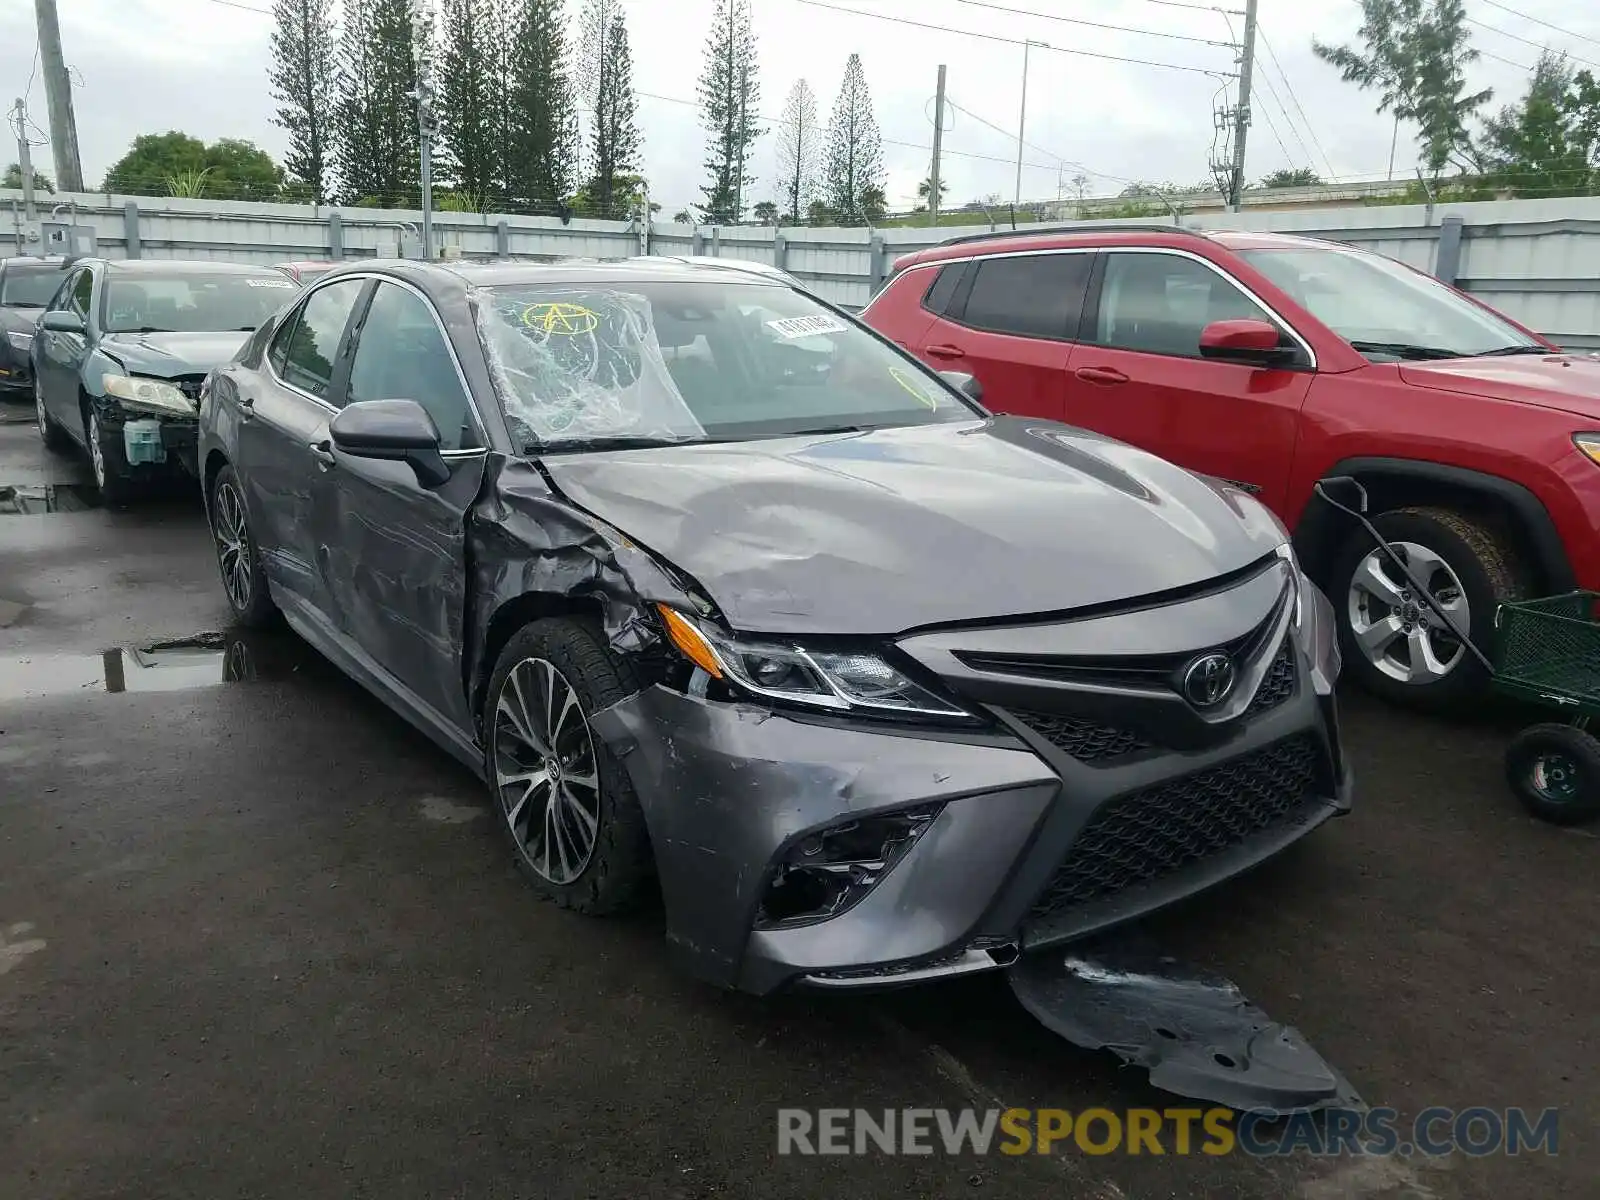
{"x":1589,"y":443}
{"x":151,"y":395}
{"x":20,"y":340}
{"x":841,"y":682}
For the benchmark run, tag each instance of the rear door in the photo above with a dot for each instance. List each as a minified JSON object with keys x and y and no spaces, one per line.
{"x":395,"y":551}
{"x":1137,"y":373}
{"x":1009,"y":322}
{"x":286,"y":409}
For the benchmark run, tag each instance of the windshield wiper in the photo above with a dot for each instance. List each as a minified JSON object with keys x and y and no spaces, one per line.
{"x":144,"y":329}
{"x":610,"y":442}
{"x":1406,"y":350}
{"x":1508,"y":351}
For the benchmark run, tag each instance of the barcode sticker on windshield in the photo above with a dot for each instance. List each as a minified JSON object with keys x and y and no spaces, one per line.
{"x":799,"y":327}
{"x":277,"y":283}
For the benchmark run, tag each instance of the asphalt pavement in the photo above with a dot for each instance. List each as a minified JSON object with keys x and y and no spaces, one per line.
{"x":258,"y":938}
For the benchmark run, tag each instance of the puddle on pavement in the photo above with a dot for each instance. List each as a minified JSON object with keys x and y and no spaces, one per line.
{"x":26,"y":499}
{"x":200,"y":661}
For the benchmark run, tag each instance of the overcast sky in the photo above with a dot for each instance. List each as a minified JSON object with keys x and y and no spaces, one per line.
{"x":143,"y":66}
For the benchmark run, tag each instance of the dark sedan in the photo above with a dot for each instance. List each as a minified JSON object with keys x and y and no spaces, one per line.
{"x":120,"y":352}
{"x":716,"y":588}
{"x":26,"y":285}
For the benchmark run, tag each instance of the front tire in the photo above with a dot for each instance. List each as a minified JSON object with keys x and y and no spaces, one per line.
{"x":1555,"y":772}
{"x":243,"y":580}
{"x":116,"y":489}
{"x":1393,"y":644}
{"x":563,"y":801}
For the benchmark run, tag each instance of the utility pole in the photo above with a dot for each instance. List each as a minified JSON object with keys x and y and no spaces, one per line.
{"x":58,"y":98}
{"x":25,"y":160}
{"x":1241,"y":116}
{"x":938,"y":145}
{"x":1022,"y":120}
{"x":427,"y":125}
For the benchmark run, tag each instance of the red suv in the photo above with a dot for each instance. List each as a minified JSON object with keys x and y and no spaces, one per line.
{"x":1272,"y":361}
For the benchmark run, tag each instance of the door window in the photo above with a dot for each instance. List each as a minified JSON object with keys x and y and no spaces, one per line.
{"x":943,"y":288}
{"x":1159,"y":303}
{"x":402,"y":354}
{"x":306,"y":348}
{"x":82,"y":292}
{"x":1035,"y":295}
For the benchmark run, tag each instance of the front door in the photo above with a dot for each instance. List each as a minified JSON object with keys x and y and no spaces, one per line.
{"x":1010,"y":325}
{"x":1137,"y":374}
{"x":394,"y":551}
{"x":61,"y":355}
{"x":285,"y":412}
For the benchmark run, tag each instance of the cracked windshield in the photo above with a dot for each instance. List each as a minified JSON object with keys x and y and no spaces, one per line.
{"x":674,"y":362}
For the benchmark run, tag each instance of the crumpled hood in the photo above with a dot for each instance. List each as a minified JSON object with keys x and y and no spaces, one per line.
{"x":166,"y":355}
{"x":881,"y":532}
{"x":1561,"y":381}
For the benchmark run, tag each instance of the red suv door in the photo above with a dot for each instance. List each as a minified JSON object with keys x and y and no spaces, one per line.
{"x":1008,"y":322}
{"x":1137,"y":374}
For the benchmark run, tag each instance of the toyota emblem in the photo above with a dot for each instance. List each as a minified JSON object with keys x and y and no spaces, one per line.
{"x":1209,"y":680}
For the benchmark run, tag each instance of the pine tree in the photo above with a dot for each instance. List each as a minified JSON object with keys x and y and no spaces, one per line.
{"x":853,"y":177}
{"x":614,"y":141}
{"x":375,"y":116}
{"x":542,"y":148}
{"x":797,"y":151}
{"x":301,"y":75}
{"x":730,"y":96}
{"x":468,"y":100}
{"x":588,"y":75}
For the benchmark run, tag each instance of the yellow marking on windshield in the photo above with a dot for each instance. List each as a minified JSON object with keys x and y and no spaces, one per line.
{"x":565,"y":320}
{"x":911,"y":385}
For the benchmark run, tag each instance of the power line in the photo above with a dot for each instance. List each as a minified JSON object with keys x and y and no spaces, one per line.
{"x":1517,"y":37}
{"x":994,"y":37}
{"x":1537,"y":21}
{"x":262,"y":12}
{"x":1025,"y":12}
{"x":1289,"y":87}
{"x":1008,"y":133}
{"x":1273,"y":92}
{"x":1502,"y":58}
{"x":1238,"y":12}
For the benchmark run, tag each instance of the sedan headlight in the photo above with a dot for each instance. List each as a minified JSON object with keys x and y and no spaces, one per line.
{"x":22,"y":341}
{"x":848,"y":681}
{"x":148,"y":395}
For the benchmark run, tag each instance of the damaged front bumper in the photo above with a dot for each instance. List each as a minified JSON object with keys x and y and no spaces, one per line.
{"x":149,"y":443}
{"x":957,"y":851}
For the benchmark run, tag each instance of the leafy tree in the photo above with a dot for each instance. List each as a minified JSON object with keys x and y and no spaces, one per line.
{"x":627,"y":199}
{"x":683,"y":217}
{"x":175,"y":164}
{"x":13,"y":179}
{"x":766,"y":212}
{"x":468,"y":98}
{"x":1291,"y":177}
{"x":301,"y":75}
{"x":615,"y":141}
{"x":375,"y":121}
{"x":820,"y":212}
{"x":798,"y":136}
{"x":542,"y":147}
{"x":1415,"y":55}
{"x":730,"y":96}
{"x":855,"y":150}
{"x":1546,"y":144}
{"x":925,"y":189}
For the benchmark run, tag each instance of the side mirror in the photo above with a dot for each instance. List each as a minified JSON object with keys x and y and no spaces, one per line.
{"x":393,"y":430}
{"x":966,"y":384}
{"x":1251,"y":342}
{"x":61,"y":321}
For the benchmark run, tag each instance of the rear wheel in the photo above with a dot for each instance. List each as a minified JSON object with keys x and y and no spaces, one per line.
{"x":1392,"y":642}
{"x":564,"y":802}
{"x":50,"y":433}
{"x":1555,"y":772}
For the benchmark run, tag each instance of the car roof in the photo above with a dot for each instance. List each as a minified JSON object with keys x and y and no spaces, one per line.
{"x":1074,"y":236}
{"x":188,"y":266}
{"x":52,"y":262}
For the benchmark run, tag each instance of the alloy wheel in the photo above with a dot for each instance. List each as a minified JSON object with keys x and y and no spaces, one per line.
{"x":38,"y":405}
{"x":546,"y":774}
{"x":1394,"y":627}
{"x":97,"y":455}
{"x":233,"y":544}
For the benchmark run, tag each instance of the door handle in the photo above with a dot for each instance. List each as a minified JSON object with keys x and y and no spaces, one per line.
{"x":323,"y":453}
{"x":946,"y":352}
{"x":1105,"y":376}
{"x":247,"y":408}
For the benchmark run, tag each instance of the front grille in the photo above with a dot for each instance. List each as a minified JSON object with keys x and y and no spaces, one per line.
{"x":1278,"y":683}
{"x":1146,"y":834}
{"x":190,"y":386}
{"x":1086,"y":741}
